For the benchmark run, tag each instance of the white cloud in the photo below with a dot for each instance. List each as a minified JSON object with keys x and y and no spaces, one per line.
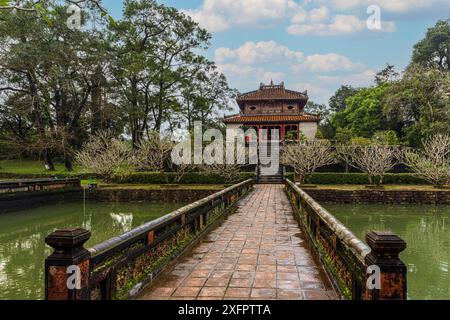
{"x":320,"y":74}
{"x":361,"y":79}
{"x":257,"y":53}
{"x":395,"y":6}
{"x":320,"y":63}
{"x":219,"y":15}
{"x":339,"y":25}
{"x":314,"y":91}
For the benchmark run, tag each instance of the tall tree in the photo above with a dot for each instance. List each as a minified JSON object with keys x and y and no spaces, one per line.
{"x":155,"y":45}
{"x":52,"y":65}
{"x":338,"y":100}
{"x":434,"y":49}
{"x":418,"y":105}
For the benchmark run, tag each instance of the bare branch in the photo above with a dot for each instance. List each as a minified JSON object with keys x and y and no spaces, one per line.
{"x":432,"y":163}
{"x":307,"y":156}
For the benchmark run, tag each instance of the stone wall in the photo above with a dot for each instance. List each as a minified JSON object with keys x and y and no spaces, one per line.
{"x":11,"y":202}
{"x":380,"y":196}
{"x":142,"y":195}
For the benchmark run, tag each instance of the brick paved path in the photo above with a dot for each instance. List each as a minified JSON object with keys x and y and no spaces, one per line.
{"x":257,"y":253}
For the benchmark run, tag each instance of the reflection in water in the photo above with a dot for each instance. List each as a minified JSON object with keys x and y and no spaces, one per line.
{"x":123,"y":220}
{"x":425,"y":228}
{"x":22,"y":235}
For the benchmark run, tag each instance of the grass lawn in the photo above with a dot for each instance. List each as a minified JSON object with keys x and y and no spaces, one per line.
{"x":32,"y":167}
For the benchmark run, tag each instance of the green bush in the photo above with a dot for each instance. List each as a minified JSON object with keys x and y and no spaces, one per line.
{"x":170,"y":178}
{"x":360,"y":178}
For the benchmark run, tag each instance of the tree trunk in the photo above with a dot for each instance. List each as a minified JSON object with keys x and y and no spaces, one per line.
{"x":68,"y":164}
{"x":48,"y":161}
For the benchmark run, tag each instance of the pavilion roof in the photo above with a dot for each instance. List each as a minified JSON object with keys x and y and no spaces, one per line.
{"x":272,"y":92}
{"x":248,"y":119}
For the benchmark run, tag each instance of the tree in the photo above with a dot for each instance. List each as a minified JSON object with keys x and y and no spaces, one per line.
{"x":375,"y":159}
{"x":338,"y":102}
{"x":418,"y":105}
{"x":387,"y":137}
{"x":307,"y":156}
{"x":388,"y":74}
{"x":364,"y":113}
{"x":156,"y":47}
{"x":432,"y":162}
{"x":204,"y":93}
{"x":434,"y":50}
{"x":221,"y":166}
{"x":153,"y":153}
{"x":48,"y":67}
{"x":107,"y":156}
{"x":33,"y":6}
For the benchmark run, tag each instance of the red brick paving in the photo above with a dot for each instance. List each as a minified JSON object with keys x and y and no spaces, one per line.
{"x":257,"y":253}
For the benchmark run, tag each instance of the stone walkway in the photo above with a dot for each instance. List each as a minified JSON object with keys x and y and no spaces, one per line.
{"x":257,"y":253}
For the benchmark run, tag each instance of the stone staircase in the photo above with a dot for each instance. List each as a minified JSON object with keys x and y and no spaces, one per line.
{"x":265,"y":173}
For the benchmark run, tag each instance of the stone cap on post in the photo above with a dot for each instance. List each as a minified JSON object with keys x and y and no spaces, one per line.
{"x":67,"y":269}
{"x":385,"y":250}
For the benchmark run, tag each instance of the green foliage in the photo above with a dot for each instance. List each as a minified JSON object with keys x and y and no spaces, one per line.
{"x":364,"y":114}
{"x":388,"y":137}
{"x":170,"y":178}
{"x":434,"y":50}
{"x":361,"y":141}
{"x":142,"y":72}
{"x":343,"y":135}
{"x":418,"y":105}
{"x":361,"y":178}
{"x":338,"y":100}
{"x":388,"y":74}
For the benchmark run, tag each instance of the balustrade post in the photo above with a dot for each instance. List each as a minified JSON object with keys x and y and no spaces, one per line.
{"x":67,"y":268}
{"x":391,"y":284}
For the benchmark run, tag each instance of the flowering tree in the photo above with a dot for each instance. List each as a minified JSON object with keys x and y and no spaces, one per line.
{"x":307,"y":156}
{"x":375,"y":160}
{"x":106,"y":155}
{"x":223,"y":167}
{"x":432,"y":163}
{"x":153,"y":152}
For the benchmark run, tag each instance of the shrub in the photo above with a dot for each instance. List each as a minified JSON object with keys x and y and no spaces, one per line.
{"x":170,"y":178}
{"x":360,"y":178}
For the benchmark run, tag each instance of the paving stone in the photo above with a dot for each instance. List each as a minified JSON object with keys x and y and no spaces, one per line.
{"x":258,"y":253}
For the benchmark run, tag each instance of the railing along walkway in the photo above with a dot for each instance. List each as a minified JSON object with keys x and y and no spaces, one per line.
{"x":259,"y":252}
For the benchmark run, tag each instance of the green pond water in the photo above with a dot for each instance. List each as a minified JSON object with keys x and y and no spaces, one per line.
{"x":425,"y":228}
{"x":22,"y":235}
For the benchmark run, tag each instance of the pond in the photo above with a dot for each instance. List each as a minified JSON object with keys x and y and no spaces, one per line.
{"x":22,"y":235}
{"x":425,"y":228}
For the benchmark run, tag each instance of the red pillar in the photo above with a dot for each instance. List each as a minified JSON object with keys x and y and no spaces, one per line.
{"x":283,"y":132}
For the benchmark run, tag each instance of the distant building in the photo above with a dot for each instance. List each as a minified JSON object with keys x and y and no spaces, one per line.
{"x":274,"y":107}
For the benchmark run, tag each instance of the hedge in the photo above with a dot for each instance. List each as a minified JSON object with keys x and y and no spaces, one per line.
{"x":200,"y":178}
{"x":169,"y":178}
{"x":361,"y":178}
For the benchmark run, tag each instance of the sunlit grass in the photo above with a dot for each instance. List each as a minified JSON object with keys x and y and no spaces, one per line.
{"x":33,"y":167}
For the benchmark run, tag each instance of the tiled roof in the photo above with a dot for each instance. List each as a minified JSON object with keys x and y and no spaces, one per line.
{"x":305,"y":117}
{"x":272,"y":92}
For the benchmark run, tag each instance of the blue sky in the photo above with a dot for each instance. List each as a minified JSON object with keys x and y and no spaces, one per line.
{"x":314,"y":45}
